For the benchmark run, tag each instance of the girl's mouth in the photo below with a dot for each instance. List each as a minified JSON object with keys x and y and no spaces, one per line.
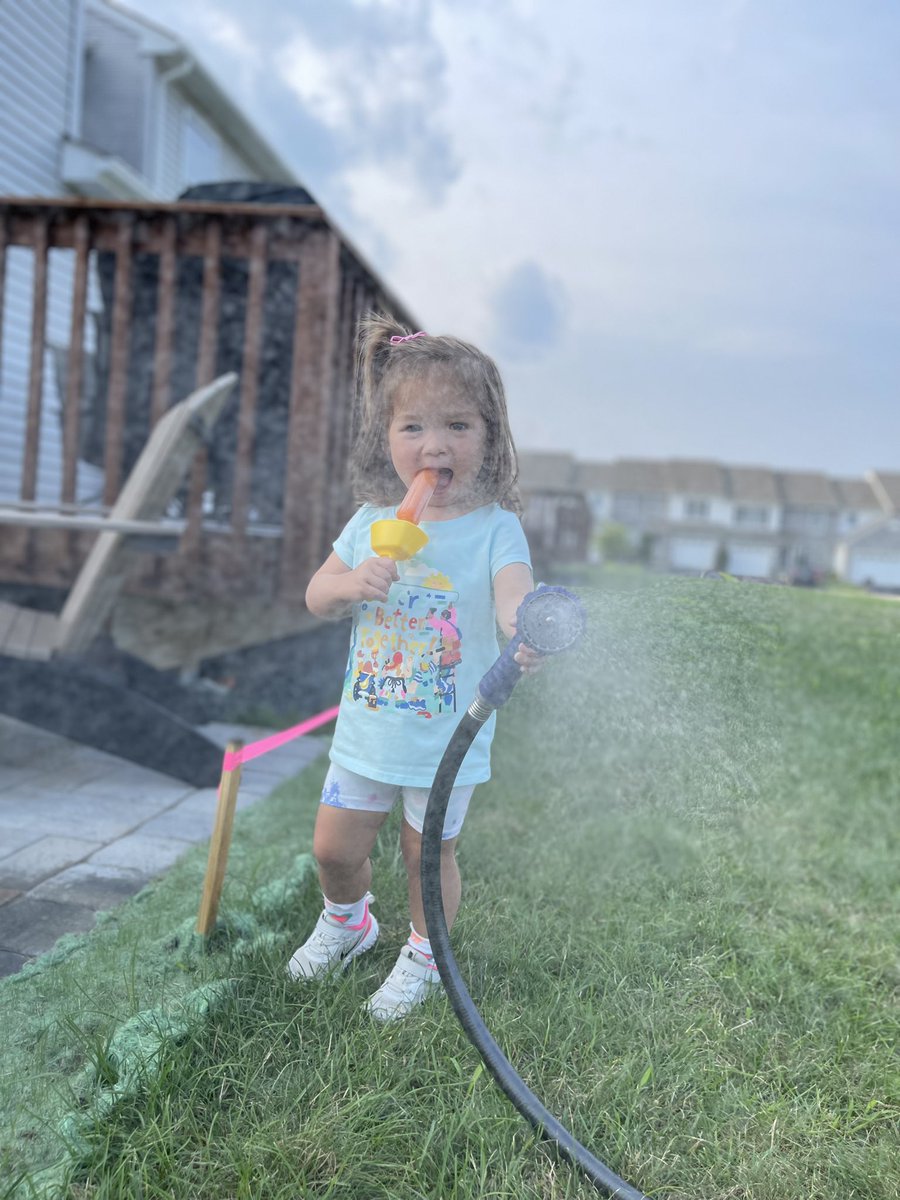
{"x":445,"y":477}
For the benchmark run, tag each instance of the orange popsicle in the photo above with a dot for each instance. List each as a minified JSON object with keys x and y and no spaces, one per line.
{"x":416,"y":499}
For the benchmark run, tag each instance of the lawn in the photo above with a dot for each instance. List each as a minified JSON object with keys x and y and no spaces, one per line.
{"x":680,"y":921}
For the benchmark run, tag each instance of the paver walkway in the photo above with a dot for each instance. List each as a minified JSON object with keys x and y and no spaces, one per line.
{"x":81,"y":830}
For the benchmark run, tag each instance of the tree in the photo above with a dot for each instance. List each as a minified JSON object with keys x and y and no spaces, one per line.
{"x":613,"y":543}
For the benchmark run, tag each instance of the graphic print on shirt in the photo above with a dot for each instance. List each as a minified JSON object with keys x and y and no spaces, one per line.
{"x":405,"y":652}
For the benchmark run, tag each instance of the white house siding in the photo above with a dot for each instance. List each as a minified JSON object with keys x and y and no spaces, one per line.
{"x":14,"y":387}
{"x":720,"y":510}
{"x":174,"y":176}
{"x":852,"y":520}
{"x":175,"y":173}
{"x":168,"y":177}
{"x":810,"y":522}
{"x":39,"y":69}
{"x":600,"y":505}
{"x":766,"y":517}
{"x":234,"y":166}
{"x":680,"y":507}
{"x":116,"y":101}
{"x":638,"y":509}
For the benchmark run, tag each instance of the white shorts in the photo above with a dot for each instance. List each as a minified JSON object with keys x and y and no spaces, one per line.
{"x":346,"y":789}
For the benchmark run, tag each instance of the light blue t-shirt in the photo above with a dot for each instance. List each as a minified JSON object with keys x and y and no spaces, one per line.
{"x":416,"y":661}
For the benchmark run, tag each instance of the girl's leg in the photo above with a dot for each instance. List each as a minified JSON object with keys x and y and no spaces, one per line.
{"x":415,"y":975}
{"x":342,"y":843}
{"x":451,"y":884}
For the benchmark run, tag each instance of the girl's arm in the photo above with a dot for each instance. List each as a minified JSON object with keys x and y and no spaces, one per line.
{"x":335,"y":587}
{"x":512,"y":584}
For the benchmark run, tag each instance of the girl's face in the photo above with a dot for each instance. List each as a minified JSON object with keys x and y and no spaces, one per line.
{"x":436,"y":424}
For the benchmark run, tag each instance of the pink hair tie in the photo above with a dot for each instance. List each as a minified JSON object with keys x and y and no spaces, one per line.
{"x":396,"y":339}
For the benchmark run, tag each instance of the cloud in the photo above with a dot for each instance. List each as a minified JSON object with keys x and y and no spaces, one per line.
{"x":528,"y":310}
{"x":226,"y":31}
{"x":376,"y":80}
{"x":334,"y":87}
{"x":679,"y":220}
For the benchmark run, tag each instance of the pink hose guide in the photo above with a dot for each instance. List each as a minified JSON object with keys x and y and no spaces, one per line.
{"x":253,"y":750}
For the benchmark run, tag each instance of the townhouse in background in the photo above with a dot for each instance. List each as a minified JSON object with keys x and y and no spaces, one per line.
{"x":695,"y":516}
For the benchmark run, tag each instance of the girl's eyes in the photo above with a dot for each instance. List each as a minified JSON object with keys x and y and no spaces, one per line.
{"x":456,"y":426}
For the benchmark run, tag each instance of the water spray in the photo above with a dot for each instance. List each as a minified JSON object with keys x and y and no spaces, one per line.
{"x":549,"y":620}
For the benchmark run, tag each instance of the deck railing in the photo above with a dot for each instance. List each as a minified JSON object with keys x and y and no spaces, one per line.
{"x":161,"y":299}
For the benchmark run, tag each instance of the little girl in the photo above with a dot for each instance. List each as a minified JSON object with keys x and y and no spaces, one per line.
{"x":423,"y":402}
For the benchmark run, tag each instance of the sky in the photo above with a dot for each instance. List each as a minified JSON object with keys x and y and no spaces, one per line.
{"x":674,"y":223}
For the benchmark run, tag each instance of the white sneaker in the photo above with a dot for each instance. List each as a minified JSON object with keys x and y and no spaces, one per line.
{"x":412,"y":980}
{"x":332,"y":945}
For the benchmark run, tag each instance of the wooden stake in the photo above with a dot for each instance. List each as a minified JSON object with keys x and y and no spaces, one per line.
{"x":219,"y":846}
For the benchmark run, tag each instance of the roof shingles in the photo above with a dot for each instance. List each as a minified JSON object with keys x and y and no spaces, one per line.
{"x":544,"y":471}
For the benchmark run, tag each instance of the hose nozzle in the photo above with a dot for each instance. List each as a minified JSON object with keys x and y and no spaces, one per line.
{"x":549,"y":620}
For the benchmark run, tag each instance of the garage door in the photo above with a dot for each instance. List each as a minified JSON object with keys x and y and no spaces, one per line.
{"x":882,"y":571}
{"x":692,"y":554}
{"x":750,"y":560}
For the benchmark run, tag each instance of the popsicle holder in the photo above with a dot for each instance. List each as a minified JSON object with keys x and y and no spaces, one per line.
{"x":400,"y":537}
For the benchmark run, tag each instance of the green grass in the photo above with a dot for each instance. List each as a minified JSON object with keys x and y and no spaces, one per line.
{"x":680,"y":920}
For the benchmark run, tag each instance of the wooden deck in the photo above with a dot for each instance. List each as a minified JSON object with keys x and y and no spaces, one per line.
{"x":157,"y":475}
{"x":189,"y":291}
{"x":27,"y":632}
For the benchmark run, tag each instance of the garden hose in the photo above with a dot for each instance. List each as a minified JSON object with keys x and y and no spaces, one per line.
{"x":549,"y":620}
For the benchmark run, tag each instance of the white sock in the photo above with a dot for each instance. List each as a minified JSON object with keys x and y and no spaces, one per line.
{"x":419,"y":943}
{"x":348,"y":914}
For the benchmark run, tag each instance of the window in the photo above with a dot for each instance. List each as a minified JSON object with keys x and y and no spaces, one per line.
{"x":753,"y":515}
{"x":696,"y":510}
{"x":807,"y":520}
{"x":638,"y":506}
{"x":540,"y":516}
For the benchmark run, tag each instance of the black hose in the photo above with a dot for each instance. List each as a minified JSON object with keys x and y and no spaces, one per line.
{"x":470,"y":1019}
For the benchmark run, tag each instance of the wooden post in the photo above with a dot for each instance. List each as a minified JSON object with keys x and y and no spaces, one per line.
{"x":36,"y":368}
{"x":72,"y":407}
{"x":219,"y":846}
{"x":206,"y":365}
{"x":117,"y":386}
{"x":312,"y":367}
{"x":242,"y":485}
{"x":165,"y":320}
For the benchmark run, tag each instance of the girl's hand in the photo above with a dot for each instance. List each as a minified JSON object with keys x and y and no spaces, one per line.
{"x":371,"y":580}
{"x":529,"y":660}
{"x":511,"y":584}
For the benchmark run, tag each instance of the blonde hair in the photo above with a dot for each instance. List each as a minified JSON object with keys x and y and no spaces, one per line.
{"x":382,"y":367}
